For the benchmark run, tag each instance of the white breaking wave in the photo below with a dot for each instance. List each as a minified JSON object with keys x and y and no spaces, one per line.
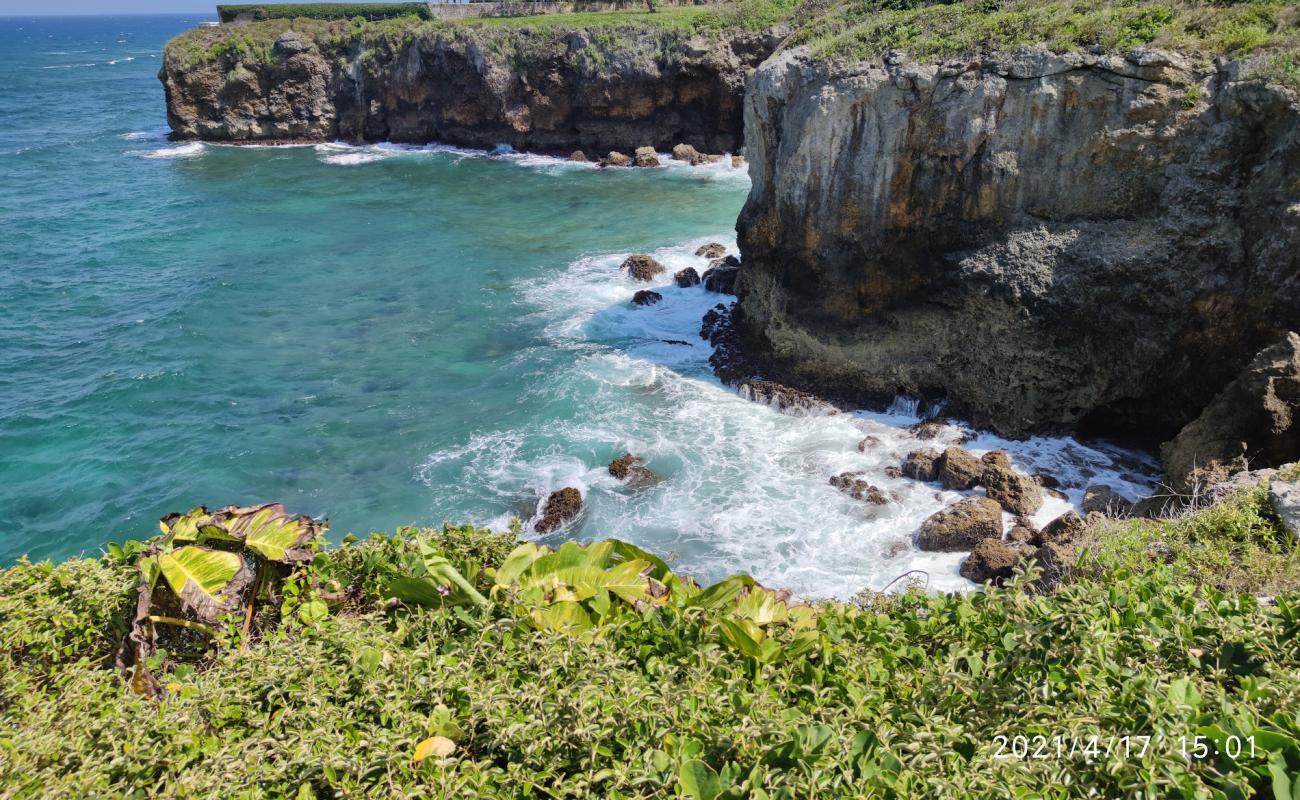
{"x":350,"y":155}
{"x":187,"y":150}
{"x":745,"y":487}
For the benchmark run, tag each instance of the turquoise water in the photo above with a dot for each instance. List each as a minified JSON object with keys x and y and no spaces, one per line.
{"x":384,"y":336}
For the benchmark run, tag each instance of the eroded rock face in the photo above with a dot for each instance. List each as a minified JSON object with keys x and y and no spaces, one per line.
{"x":561,"y":507}
{"x":993,"y":560}
{"x":922,"y":465}
{"x":1052,"y":242}
{"x":959,"y":469}
{"x":1253,"y":422}
{"x":962,"y":525}
{"x":540,"y":89}
{"x":1014,"y":491}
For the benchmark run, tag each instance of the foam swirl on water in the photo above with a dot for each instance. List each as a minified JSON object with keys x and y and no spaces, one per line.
{"x":744,"y":487}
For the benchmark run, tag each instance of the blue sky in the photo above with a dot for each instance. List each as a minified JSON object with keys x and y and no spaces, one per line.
{"x":8,"y":7}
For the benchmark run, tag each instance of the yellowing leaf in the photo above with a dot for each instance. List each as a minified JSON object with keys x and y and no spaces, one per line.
{"x":439,"y":746}
{"x":205,"y":580}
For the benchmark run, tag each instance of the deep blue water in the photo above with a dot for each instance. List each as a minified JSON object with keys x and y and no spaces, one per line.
{"x":383,"y":336}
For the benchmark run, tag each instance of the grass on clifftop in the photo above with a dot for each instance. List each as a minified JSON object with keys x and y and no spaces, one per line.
{"x":900,"y":696}
{"x":860,"y":29}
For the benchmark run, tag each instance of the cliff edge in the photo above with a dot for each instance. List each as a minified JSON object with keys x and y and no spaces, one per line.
{"x":547,"y":88}
{"x":1050,"y":242}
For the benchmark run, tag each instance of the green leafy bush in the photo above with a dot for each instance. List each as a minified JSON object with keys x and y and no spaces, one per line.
{"x":370,"y":11}
{"x":667,"y":690}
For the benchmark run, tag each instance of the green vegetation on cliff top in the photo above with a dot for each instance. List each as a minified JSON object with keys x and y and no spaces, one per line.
{"x":863,"y":29}
{"x":596,"y":673}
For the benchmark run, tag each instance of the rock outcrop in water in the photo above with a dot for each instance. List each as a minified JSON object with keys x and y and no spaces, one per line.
{"x":1051,"y":242}
{"x":540,"y":89}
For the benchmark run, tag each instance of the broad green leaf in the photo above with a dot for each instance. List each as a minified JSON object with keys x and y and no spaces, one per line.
{"x":1284,"y":788}
{"x":734,"y":634}
{"x":206,"y":581}
{"x":270,"y":531}
{"x":622,"y":551}
{"x":566,"y":617}
{"x":722,"y":594}
{"x":519,"y":560}
{"x":699,"y":781}
{"x":442,"y":570}
{"x":627,"y":581}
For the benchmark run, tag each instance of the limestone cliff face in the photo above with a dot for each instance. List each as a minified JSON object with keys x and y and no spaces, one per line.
{"x":1050,"y":242}
{"x":545,"y":89}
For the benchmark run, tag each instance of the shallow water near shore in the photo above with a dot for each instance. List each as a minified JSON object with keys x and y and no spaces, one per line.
{"x":388,"y":335}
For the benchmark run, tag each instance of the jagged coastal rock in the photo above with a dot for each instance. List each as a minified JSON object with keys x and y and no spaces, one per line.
{"x":542,"y":89}
{"x":1076,"y":242}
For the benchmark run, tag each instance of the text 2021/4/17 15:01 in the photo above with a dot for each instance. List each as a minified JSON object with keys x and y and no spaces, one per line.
{"x":1192,"y":746}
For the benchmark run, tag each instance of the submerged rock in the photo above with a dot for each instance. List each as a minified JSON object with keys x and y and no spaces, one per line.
{"x":1014,"y":491}
{"x":646,"y":157}
{"x":711,"y":250}
{"x":994,"y":561}
{"x":632,"y":470}
{"x":686,"y":278}
{"x":868,"y":443}
{"x":641,"y":267}
{"x":561,"y":506}
{"x":852,"y":484}
{"x":961,"y":526}
{"x":959,"y":469}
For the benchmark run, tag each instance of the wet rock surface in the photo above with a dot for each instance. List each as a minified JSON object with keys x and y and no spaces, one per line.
{"x":961,"y":526}
{"x":642,"y":267}
{"x":993,"y":561}
{"x":854,"y":485}
{"x":561,"y":506}
{"x":686,"y":278}
{"x":645,"y":297}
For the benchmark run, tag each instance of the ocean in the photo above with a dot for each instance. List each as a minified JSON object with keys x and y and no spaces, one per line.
{"x":387,"y":335}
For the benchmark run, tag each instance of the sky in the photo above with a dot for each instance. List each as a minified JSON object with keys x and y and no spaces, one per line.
{"x":47,"y":7}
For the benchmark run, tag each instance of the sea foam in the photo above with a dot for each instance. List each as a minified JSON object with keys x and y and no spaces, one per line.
{"x":744,"y":487}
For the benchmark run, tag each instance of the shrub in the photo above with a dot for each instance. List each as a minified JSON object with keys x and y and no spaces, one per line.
{"x":369,"y":11}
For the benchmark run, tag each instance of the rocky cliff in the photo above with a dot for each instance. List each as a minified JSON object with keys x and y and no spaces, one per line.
{"x":1092,"y":243}
{"x":547,"y":89}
